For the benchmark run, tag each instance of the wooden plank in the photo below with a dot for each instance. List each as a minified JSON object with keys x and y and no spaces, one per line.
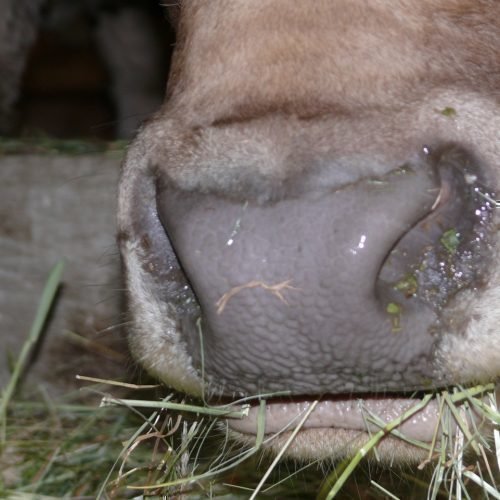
{"x":61,"y":207}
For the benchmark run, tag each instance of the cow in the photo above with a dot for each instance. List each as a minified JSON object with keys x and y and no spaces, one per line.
{"x":311,"y":214}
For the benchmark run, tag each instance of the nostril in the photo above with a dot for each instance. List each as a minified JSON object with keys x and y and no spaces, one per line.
{"x":445,"y":251}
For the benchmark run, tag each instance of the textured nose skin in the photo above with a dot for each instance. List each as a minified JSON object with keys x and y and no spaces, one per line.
{"x":290,"y":293}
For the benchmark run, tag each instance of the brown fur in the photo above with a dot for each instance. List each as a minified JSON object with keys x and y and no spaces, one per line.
{"x":327,"y":74}
{"x":234,"y":61}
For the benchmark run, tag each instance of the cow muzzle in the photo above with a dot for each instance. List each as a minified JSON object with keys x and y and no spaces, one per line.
{"x":328,"y":291}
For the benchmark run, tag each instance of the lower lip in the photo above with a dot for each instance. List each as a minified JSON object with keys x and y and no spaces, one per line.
{"x":348,"y":413}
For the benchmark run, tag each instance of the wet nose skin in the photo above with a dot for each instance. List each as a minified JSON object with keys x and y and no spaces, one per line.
{"x":328,"y":291}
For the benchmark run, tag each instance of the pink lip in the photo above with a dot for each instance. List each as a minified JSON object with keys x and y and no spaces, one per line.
{"x":352,"y":414}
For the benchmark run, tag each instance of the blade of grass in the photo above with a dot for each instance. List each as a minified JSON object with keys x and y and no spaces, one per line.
{"x":279,"y":456}
{"x":147,"y":422}
{"x":483,"y":484}
{"x":496,"y":432}
{"x":223,"y":467}
{"x":373,"y":442}
{"x":462,"y":424}
{"x":209,"y":410}
{"x":116,"y":383}
{"x":42,"y":312}
{"x":387,"y":493}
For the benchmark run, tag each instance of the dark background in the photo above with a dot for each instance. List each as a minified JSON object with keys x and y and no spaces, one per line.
{"x":67,"y":88}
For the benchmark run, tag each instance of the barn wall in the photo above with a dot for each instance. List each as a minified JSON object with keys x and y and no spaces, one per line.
{"x":56,"y":207}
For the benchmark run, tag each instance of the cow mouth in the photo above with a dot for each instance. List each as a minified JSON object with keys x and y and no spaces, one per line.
{"x":416,"y":418}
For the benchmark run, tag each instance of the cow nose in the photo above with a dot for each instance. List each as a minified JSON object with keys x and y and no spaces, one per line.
{"x":330,"y":290}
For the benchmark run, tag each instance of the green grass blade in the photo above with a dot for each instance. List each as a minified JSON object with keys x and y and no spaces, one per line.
{"x":44,"y":307}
